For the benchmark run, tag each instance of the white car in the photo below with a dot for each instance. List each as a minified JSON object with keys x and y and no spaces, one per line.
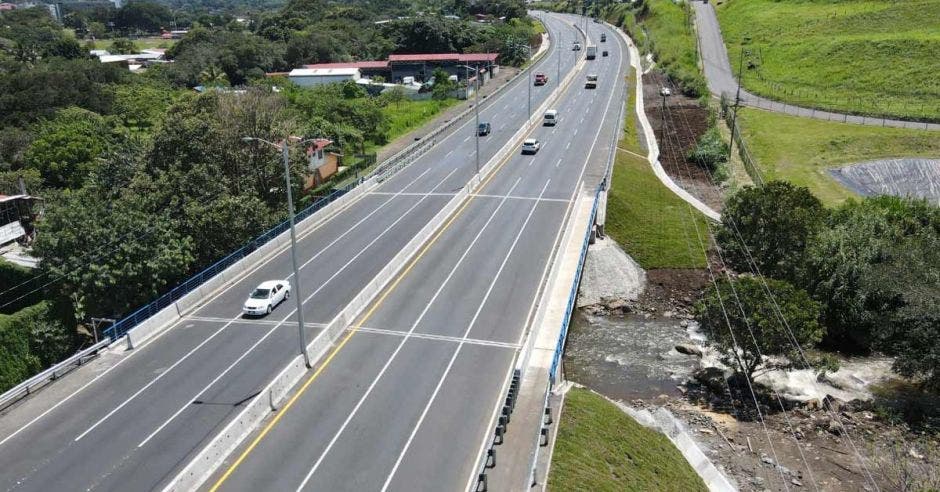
{"x":266,"y":297}
{"x":530,"y":146}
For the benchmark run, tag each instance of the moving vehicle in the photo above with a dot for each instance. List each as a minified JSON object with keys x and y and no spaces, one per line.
{"x":576,"y":46}
{"x":550,"y":118}
{"x":604,"y":53}
{"x":541,"y":78}
{"x":603,"y":38}
{"x":591,"y":52}
{"x":530,"y":146}
{"x":266,"y":297}
{"x":591,"y":82}
{"x":484,"y":129}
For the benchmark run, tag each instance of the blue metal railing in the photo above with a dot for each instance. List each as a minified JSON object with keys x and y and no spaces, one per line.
{"x":128,"y":322}
{"x":573,"y":295}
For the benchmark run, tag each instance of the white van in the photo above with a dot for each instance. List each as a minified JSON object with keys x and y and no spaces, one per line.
{"x":551,"y":117}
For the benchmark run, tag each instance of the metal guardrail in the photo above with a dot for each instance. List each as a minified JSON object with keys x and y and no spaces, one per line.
{"x":26,"y":387}
{"x":125,"y":324}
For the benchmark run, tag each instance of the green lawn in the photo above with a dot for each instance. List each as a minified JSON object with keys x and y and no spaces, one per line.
{"x":651,"y":223}
{"x":800,"y":150}
{"x":408,"y":115}
{"x":142,"y":43}
{"x":877,"y":57}
{"x":601,"y":448}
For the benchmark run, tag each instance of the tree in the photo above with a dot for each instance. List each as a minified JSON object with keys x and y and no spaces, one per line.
{"x":741,"y":321}
{"x":871,"y":269}
{"x":143,"y":16}
{"x":771,"y":225}
{"x":67,"y":147}
{"x":29,"y":95}
{"x":219,"y":190}
{"x":123,"y":46}
{"x":443,"y":86}
{"x":120,"y":258}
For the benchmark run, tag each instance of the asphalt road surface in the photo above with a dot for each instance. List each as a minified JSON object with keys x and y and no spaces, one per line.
{"x":405,"y":402}
{"x":133,"y":426}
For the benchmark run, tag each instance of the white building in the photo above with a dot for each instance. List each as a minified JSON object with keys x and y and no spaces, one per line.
{"x":306,"y":77}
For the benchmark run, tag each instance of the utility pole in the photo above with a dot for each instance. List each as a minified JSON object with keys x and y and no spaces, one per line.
{"x":737,"y":101}
{"x":530,"y":83}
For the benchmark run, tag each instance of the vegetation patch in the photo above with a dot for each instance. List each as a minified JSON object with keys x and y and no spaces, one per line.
{"x":873,"y":57}
{"x":599,"y":447}
{"x":654,"y":226}
{"x":801,"y":150}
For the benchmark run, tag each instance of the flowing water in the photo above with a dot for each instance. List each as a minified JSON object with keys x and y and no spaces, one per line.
{"x":628,"y":357}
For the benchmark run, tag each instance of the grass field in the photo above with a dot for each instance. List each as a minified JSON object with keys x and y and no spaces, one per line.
{"x":600,"y":448}
{"x":142,"y":43}
{"x":408,"y":115}
{"x":800,"y":150}
{"x":651,"y":223}
{"x":875,"y":57}
{"x":666,"y":31}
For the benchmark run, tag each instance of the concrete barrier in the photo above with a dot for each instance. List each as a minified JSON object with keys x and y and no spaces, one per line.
{"x":214,"y":453}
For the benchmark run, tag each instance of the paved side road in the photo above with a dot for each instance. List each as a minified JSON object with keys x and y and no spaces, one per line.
{"x":721,"y":78}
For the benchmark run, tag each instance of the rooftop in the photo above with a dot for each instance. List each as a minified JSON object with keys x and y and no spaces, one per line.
{"x":322,"y":72}
{"x":358,"y":64}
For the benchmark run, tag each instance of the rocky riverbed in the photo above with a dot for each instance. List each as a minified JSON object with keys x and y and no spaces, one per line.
{"x":641,"y":346}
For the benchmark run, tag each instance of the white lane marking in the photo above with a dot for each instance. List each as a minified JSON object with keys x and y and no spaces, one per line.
{"x":167,"y":371}
{"x":531,"y":161}
{"x":170,"y":328}
{"x":449,"y":152}
{"x":442,"y":338}
{"x":471,"y":478}
{"x":568,"y":146}
{"x":466,"y":139}
{"x":401,"y":344}
{"x":559,"y":161}
{"x":575,"y":131}
{"x":369,"y":329}
{"x":231,"y":366}
{"x":450,"y":365}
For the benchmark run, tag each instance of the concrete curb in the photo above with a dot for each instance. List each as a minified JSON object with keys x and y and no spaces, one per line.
{"x":664,"y":422}
{"x":204,"y":464}
{"x":652,"y":144}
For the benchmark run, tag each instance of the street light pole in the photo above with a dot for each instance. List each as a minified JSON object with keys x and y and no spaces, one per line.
{"x":285,"y":154}
{"x":284,"y":147}
{"x":530,"y":83}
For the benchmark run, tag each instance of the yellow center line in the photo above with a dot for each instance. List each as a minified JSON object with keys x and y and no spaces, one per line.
{"x":290,"y":403}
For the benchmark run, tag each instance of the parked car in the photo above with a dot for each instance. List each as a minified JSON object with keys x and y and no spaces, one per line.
{"x":541,"y":78}
{"x":530,"y":146}
{"x":266,"y":297}
{"x":483,"y":129}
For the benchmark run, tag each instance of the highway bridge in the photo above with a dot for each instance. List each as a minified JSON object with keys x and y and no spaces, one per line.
{"x":406,"y":395}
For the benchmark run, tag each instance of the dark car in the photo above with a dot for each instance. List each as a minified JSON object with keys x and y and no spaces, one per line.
{"x":483,"y":129}
{"x":541,"y":78}
{"x":604,"y":53}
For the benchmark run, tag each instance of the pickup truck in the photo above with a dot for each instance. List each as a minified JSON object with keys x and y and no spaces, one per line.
{"x":591,"y":82}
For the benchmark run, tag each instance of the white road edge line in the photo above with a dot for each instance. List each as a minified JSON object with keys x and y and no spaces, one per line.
{"x":401,"y":344}
{"x":440,"y":382}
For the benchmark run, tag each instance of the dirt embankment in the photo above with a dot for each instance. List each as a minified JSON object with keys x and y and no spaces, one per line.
{"x":678,"y":127}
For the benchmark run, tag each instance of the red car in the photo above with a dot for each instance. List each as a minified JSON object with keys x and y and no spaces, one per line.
{"x":541,"y":78}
